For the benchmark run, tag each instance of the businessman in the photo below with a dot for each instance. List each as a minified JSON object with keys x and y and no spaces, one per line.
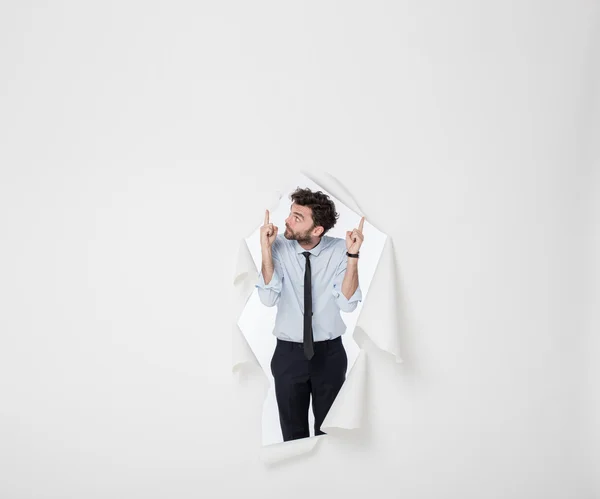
{"x":311,"y":278}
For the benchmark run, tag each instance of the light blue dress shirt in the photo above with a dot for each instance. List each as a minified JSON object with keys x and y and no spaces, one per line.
{"x":328,"y":261}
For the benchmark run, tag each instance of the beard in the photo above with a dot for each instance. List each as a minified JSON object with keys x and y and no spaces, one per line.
{"x":300,"y":237}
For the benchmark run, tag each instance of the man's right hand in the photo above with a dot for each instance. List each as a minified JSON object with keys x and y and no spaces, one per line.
{"x":268,"y":233}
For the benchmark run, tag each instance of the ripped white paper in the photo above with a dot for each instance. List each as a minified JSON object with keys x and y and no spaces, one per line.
{"x":377,"y":321}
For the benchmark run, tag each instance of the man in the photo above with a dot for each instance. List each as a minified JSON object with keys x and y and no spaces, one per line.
{"x":311,"y":277}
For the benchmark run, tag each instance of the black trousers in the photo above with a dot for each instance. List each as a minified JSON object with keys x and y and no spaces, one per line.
{"x":297,"y":378}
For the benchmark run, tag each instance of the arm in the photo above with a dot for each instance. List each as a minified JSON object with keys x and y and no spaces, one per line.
{"x":350,"y":283}
{"x":346,"y":289}
{"x":270,"y":279}
{"x":268,"y":268}
{"x":345,"y":286}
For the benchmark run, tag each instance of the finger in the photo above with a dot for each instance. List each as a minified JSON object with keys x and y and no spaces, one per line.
{"x":361,"y":224}
{"x":266,"y":217}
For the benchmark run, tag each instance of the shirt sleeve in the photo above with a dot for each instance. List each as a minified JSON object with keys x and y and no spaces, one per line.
{"x":345,"y":304}
{"x":269,"y":293}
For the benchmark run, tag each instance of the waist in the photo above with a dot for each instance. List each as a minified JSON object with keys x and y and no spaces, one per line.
{"x":316,"y":343}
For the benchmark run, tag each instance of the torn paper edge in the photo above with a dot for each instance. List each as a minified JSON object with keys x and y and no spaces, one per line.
{"x":348,"y":408}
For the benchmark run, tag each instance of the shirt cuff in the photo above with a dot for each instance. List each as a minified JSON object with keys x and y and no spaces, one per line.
{"x":345,"y":304}
{"x":274,"y":283}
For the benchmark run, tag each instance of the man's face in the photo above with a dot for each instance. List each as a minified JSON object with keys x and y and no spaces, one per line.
{"x":299,"y":225}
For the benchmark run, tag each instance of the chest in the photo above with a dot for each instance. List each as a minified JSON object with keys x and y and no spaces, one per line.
{"x":322,"y":268}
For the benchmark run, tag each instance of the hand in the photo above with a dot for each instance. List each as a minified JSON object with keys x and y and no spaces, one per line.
{"x":268,"y":233}
{"x":355,"y":238}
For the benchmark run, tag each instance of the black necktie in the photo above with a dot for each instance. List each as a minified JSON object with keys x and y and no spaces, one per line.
{"x":308,"y":332}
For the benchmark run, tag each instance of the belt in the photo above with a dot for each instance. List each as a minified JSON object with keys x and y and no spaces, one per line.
{"x":334,"y":340}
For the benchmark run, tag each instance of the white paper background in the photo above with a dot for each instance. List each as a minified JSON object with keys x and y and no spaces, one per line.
{"x":139,"y":140}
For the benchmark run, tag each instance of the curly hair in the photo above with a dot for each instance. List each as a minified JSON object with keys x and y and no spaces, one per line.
{"x":323,"y":208}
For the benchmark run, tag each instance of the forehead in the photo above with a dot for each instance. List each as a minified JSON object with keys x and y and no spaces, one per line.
{"x":305,"y":211}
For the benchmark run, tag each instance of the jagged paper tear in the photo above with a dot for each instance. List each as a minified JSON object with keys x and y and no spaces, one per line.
{"x":378,"y":322}
{"x":276,"y":453}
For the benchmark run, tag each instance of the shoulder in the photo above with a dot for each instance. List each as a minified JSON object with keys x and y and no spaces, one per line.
{"x":336,"y":244}
{"x":280,"y":243}
{"x":280,"y":239}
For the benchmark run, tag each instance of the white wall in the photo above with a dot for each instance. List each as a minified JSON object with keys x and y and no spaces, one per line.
{"x":592,"y":374}
{"x":590,"y":153}
{"x":139,"y":143}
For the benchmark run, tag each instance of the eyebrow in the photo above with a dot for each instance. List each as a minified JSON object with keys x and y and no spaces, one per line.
{"x":298,"y":213}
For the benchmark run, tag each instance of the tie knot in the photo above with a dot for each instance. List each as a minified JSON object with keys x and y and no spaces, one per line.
{"x":306,"y":253}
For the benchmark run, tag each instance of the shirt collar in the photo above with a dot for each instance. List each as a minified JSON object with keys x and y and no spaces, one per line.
{"x":314,"y":251}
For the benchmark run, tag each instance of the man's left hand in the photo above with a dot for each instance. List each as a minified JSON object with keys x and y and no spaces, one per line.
{"x":354,"y":239}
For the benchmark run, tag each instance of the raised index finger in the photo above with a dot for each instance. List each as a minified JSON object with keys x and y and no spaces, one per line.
{"x":266,"y":217}
{"x":361,"y":224}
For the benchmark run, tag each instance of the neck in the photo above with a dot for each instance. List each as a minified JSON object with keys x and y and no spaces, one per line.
{"x":310,"y":245}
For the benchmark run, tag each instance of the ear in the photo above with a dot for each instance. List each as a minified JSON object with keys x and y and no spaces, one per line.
{"x":318,"y":231}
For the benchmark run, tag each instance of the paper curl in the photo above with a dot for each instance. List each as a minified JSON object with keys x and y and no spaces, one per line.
{"x":378,"y":323}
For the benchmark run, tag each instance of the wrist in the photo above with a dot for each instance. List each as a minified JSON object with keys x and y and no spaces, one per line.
{"x":266,"y":253}
{"x":352,"y":262}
